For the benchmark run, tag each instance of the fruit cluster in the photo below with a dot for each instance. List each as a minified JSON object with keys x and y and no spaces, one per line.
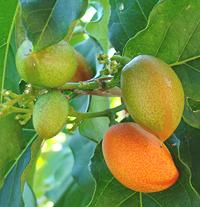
{"x":50,"y":68}
{"x":135,"y":153}
{"x":153,"y":95}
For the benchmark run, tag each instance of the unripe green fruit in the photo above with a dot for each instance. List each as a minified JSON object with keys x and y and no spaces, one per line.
{"x":153,"y":95}
{"x":50,"y":67}
{"x":11,"y":143}
{"x":50,"y":114}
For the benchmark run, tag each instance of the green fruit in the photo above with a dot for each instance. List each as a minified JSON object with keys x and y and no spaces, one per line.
{"x":153,"y":95}
{"x":11,"y":143}
{"x":50,"y":114}
{"x":50,"y":67}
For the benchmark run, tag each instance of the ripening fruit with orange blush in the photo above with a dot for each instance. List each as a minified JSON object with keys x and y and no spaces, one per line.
{"x":50,"y":67}
{"x":138,"y":159}
{"x":83,"y":71}
{"x":153,"y":95}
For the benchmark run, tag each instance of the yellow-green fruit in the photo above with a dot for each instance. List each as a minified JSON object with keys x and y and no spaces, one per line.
{"x":153,"y":95}
{"x":50,"y":114}
{"x":50,"y":67}
{"x":11,"y":143}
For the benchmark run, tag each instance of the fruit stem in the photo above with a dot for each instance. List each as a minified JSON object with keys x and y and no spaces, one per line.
{"x":123,"y":60}
{"x":105,"y":113}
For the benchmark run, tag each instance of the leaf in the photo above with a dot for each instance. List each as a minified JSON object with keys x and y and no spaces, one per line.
{"x":171,"y":34}
{"x":109,"y":192}
{"x":63,"y":176}
{"x":79,"y":192}
{"x":95,"y":128}
{"x":82,"y":150}
{"x":191,"y":117}
{"x":80,"y":103}
{"x":8,"y":12}
{"x":55,"y":164}
{"x":99,"y":29}
{"x":194,"y":104}
{"x":11,"y":186}
{"x":29,"y":172}
{"x":47,"y":22}
{"x":189,"y":75}
{"x":127,"y":18}
{"x":29,"y":197}
{"x":11,"y":143}
{"x":189,"y":150}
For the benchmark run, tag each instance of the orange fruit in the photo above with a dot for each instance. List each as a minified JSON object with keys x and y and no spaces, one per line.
{"x":138,"y":159}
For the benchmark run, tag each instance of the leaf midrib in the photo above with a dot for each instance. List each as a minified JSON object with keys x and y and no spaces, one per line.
{"x":46,"y":25}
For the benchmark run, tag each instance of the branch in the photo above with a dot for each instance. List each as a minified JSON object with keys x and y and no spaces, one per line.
{"x":113,"y":92}
{"x":100,"y":86}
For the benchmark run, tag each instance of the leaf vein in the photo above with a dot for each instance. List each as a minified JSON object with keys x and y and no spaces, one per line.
{"x":46,"y":25}
{"x":167,"y":30}
{"x":190,"y":37}
{"x":142,"y":11}
{"x":154,"y":200}
{"x":132,"y":194}
{"x":103,"y":190}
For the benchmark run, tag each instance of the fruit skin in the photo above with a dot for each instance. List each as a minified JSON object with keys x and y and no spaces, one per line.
{"x":138,"y":159}
{"x":11,"y":143}
{"x":50,"y":114}
{"x":83,"y":71}
{"x":51,"y":67}
{"x":153,"y":95}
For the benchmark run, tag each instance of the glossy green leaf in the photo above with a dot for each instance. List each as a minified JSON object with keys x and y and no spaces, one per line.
{"x":99,"y":29}
{"x":109,"y":192}
{"x":171,"y":34}
{"x":189,"y":74}
{"x":8,"y":75}
{"x":95,"y":128}
{"x":80,"y":103}
{"x":127,"y":18}
{"x":11,"y":143}
{"x":194,"y":104}
{"x":47,"y":22}
{"x":189,"y":150}
{"x":191,"y":117}
{"x":12,"y":186}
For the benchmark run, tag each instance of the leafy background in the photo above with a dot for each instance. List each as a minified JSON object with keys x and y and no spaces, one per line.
{"x":65,"y":173}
